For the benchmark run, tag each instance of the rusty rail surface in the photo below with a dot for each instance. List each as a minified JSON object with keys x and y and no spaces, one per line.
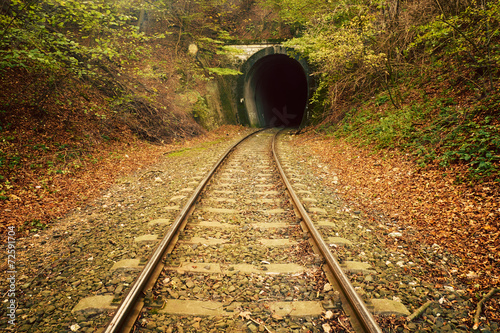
{"x":124,"y":312}
{"x":356,"y":307}
{"x":127,"y":313}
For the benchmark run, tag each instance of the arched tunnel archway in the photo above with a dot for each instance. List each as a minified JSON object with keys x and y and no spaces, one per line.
{"x":274,"y":89}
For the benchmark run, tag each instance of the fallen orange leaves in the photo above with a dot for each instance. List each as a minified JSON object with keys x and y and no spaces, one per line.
{"x":72,"y":190}
{"x":463,"y":219}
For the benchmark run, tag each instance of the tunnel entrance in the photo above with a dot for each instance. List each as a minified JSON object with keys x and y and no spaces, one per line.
{"x":275,"y":90}
{"x":280,"y":90}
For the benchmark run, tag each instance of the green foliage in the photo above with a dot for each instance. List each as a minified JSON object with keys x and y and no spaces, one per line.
{"x":178,"y":152}
{"x":3,"y":159}
{"x":386,"y":130}
{"x":34,"y":225}
{"x":437,"y":131}
{"x":319,"y":101}
{"x":223,"y":71}
{"x":200,"y":111}
{"x":381,"y":100}
{"x":339,"y":43}
{"x":300,"y":14}
{"x":55,"y":34}
{"x":466,"y":40}
{"x":453,"y":137}
{"x":339,"y":50}
{"x":184,"y":151}
{"x":40,"y":147}
{"x":5,"y":186}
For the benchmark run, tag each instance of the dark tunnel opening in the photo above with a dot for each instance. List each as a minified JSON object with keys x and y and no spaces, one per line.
{"x":280,"y":90}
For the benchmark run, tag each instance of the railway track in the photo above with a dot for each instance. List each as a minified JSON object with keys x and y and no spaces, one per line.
{"x":241,"y":256}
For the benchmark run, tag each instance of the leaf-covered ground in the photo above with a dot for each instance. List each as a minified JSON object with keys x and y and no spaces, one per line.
{"x":461,"y":219}
{"x":38,"y":202}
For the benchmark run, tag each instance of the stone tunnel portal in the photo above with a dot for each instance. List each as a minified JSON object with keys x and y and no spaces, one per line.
{"x":276,"y":91}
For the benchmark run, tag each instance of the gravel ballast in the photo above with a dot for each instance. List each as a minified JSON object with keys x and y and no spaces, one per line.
{"x":98,"y":250}
{"x":71,"y":261}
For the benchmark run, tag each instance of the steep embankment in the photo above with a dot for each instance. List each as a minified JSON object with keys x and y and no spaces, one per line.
{"x":90,"y":90}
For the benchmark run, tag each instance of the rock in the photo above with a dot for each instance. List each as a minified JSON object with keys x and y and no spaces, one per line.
{"x":328,"y":314}
{"x":189,"y":284}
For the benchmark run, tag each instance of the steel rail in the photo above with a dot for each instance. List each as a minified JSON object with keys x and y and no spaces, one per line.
{"x":126,"y":306}
{"x":360,"y":311}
